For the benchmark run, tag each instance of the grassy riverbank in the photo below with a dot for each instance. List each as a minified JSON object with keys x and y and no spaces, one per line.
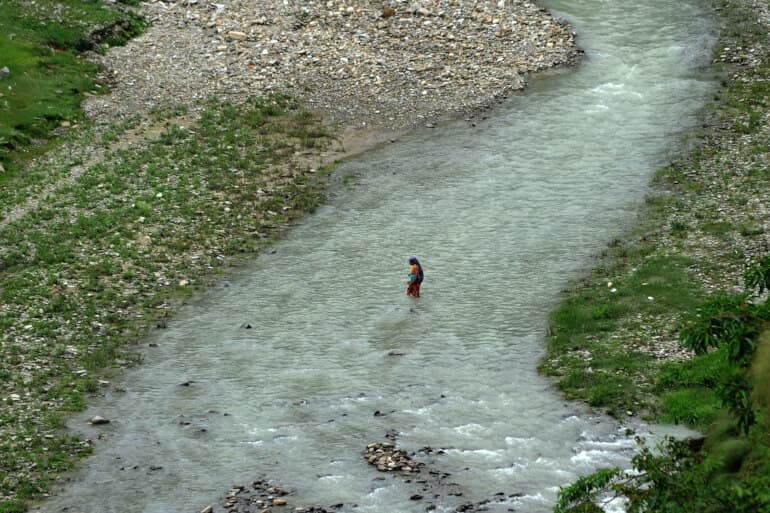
{"x":107,"y":254}
{"x":614,"y":341}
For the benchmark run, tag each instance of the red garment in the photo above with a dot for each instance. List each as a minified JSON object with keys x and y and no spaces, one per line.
{"x":414,"y":285}
{"x":413,"y":289}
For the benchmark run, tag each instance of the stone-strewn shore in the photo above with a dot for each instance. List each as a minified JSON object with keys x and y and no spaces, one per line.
{"x":362,"y":63}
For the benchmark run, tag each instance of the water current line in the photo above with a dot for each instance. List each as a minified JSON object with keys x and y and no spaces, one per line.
{"x":502,"y":215}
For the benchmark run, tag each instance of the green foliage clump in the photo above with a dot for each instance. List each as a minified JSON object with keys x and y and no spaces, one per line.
{"x":675,"y":478}
{"x":725,"y":319}
{"x":757,"y":275}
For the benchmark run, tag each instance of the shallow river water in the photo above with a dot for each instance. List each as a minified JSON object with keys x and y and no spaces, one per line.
{"x":502,"y":215}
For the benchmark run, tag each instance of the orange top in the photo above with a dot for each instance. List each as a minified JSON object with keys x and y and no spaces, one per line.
{"x":414,"y":269}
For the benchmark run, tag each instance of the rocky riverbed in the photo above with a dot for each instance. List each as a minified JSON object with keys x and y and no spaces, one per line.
{"x":362,"y":63}
{"x":430,"y":485}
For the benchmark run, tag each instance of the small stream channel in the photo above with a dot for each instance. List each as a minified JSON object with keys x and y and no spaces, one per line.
{"x":502,"y":215}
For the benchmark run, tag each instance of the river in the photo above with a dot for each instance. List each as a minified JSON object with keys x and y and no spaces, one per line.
{"x":502,"y":215}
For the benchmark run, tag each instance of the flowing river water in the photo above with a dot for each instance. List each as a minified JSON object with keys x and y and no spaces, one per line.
{"x":502,"y":215}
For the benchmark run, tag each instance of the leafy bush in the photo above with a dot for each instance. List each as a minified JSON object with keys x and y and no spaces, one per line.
{"x":726,"y":319}
{"x":757,"y":275}
{"x":674,"y":479}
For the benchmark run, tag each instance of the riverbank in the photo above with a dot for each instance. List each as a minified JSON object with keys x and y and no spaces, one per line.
{"x":705,"y":219}
{"x":687,"y":272}
{"x":146,"y":203}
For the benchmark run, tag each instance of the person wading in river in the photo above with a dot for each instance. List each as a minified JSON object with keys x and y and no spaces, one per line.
{"x":415,"y":277}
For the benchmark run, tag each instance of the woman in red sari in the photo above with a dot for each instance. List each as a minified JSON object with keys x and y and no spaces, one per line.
{"x":415,"y":277}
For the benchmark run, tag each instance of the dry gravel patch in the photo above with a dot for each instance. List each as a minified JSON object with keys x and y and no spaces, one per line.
{"x":362,"y":63}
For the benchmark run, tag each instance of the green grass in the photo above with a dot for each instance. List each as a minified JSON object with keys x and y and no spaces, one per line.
{"x":716,"y":228}
{"x":604,"y":370}
{"x":693,"y":407}
{"x":13,"y":506}
{"x":45,"y":87}
{"x":42,"y":43}
{"x":751,"y":230}
{"x":656,"y":286}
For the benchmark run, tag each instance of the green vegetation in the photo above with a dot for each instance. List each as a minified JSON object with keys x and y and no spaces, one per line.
{"x":724,"y":389}
{"x":703,"y":358}
{"x":41,"y":44}
{"x":688,"y":390}
{"x":585,"y":352}
{"x":680,"y":480}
